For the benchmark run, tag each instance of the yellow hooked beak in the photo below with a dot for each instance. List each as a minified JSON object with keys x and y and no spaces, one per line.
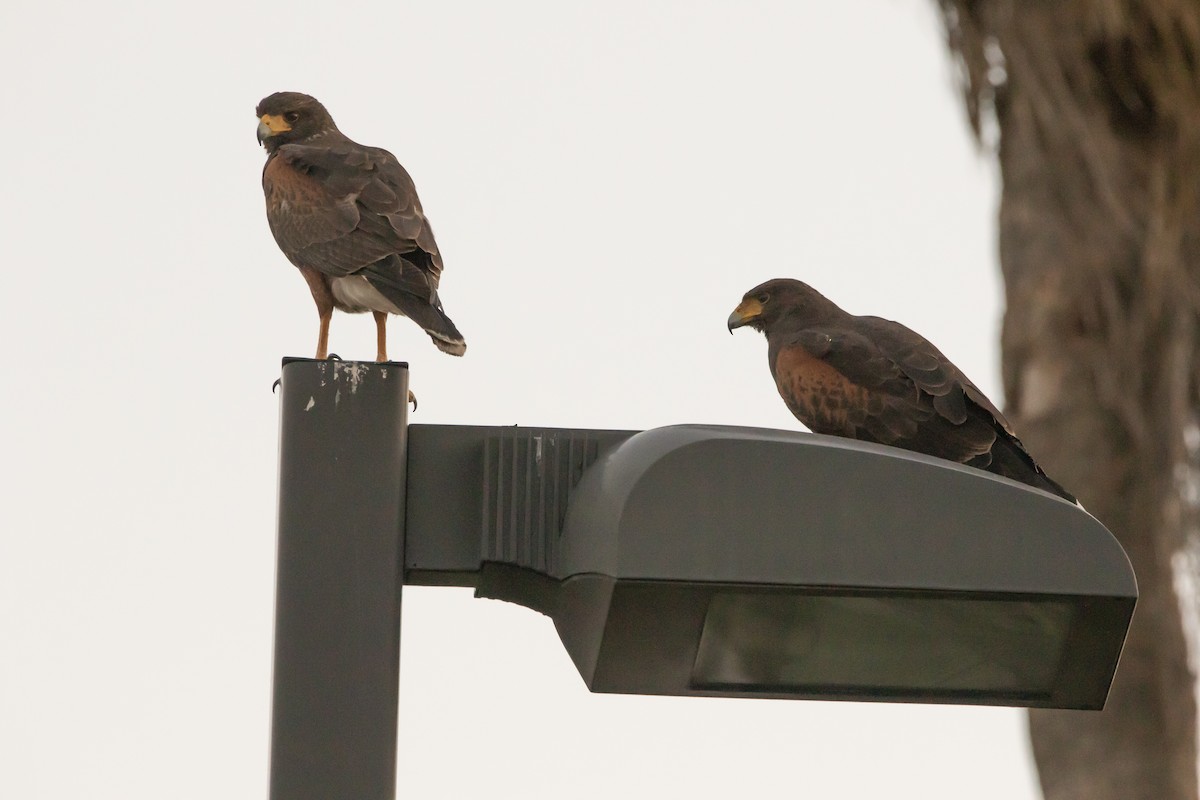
{"x":271,"y":124}
{"x":747,"y":311}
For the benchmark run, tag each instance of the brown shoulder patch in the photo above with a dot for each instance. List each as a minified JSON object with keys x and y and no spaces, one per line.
{"x":825,"y":400}
{"x":287,"y":187}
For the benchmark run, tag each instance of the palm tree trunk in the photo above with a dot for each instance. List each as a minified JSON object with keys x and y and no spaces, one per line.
{"x":1096,"y":104}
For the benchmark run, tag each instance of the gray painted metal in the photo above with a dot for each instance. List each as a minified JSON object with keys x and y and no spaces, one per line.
{"x":662,"y":523}
{"x":482,"y":494}
{"x":629,"y":541}
{"x":729,"y":504}
{"x":338,"y":584}
{"x":747,"y":505}
{"x":1013,"y":595}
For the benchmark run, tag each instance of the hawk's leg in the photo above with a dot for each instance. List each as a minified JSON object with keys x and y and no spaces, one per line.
{"x":323,"y":334}
{"x":318,"y":284}
{"x":381,"y":346}
{"x":380,"y":335}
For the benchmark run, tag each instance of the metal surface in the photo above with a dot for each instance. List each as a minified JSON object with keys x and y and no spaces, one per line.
{"x":1007,"y":594}
{"x":818,"y":567}
{"x":482,"y":495}
{"x":697,"y":560}
{"x":337,"y":608}
{"x":727,"y":504}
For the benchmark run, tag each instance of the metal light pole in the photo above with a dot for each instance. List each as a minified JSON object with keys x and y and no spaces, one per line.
{"x":343,"y":443}
{"x":696,"y":560}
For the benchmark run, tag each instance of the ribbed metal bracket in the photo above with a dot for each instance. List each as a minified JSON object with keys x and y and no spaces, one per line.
{"x":492,"y":494}
{"x":528,"y":475}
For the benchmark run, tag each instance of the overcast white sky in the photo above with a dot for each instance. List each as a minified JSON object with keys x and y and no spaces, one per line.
{"x":605,"y":181}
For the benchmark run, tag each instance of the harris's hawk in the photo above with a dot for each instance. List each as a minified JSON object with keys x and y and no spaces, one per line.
{"x":348,"y":217}
{"x":875,"y":380}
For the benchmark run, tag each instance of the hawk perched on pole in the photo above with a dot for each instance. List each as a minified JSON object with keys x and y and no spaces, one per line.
{"x":349,"y":218}
{"x":875,"y":380}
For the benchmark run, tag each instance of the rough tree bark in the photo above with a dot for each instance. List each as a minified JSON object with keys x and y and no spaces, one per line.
{"x":1097,"y":105}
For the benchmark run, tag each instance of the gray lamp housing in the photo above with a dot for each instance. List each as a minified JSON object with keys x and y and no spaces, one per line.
{"x":721,"y":561}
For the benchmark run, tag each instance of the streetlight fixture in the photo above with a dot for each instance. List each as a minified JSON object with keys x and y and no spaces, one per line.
{"x":687,"y":560}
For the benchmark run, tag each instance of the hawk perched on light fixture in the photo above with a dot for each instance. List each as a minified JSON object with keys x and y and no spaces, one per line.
{"x":875,"y":380}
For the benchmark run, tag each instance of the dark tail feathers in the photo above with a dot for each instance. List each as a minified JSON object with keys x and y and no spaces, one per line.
{"x":430,"y":317}
{"x":1010,"y":459}
{"x":440,"y":328}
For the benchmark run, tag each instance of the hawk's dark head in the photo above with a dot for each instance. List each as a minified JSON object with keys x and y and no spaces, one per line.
{"x":780,"y":300}
{"x":286,"y":117}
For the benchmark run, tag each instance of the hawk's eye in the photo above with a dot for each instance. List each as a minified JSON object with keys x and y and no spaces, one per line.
{"x":291,"y":116}
{"x":763,"y":298}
